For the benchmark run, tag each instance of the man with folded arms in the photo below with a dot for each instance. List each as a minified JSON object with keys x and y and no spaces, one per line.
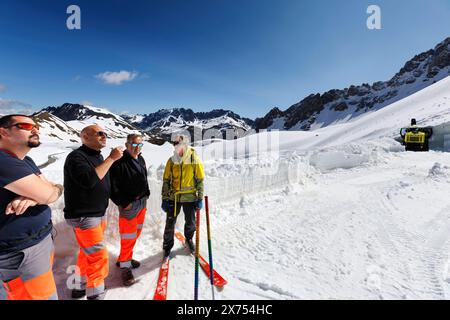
{"x":26,"y":244}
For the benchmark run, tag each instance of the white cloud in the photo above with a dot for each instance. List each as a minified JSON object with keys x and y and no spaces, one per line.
{"x":117,"y":78}
{"x":14,"y":106}
{"x":87,"y":103}
{"x":2,"y":88}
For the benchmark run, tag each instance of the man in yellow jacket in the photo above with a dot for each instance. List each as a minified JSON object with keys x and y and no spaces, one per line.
{"x":182,"y":187}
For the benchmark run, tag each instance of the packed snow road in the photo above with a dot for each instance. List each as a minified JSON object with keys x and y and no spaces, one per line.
{"x":378,"y":229}
{"x":375,"y":232}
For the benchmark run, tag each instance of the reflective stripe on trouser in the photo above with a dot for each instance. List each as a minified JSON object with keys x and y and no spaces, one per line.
{"x":92,"y":260}
{"x":27,"y":274}
{"x":130,"y":228}
{"x":189,"y":224}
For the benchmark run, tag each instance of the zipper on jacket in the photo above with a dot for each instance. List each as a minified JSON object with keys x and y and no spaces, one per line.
{"x":181,"y":175}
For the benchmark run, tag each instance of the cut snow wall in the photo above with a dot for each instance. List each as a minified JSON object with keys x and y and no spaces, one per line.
{"x":440,"y":140}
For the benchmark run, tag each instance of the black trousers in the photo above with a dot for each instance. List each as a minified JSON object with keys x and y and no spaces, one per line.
{"x":189,"y":224}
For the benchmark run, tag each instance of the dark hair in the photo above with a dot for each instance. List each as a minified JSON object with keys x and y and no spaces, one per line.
{"x":413,"y":122}
{"x":133,"y":136}
{"x":6,"y":121}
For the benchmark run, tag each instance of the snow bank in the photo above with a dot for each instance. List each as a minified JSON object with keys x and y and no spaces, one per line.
{"x":353,"y":155}
{"x":441,"y":137}
{"x":334,"y":159}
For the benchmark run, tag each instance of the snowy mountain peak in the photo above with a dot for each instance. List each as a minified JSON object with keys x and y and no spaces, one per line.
{"x":70,"y":112}
{"x":166,"y":121}
{"x":79,"y":116}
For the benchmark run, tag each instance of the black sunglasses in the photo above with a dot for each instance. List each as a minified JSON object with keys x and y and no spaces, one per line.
{"x":101,"y":134}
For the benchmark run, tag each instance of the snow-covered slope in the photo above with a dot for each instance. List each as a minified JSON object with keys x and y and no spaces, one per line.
{"x":338,"y":106}
{"x":52,"y":127}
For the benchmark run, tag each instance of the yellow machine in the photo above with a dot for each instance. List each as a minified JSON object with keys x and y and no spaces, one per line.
{"x":416,"y":138}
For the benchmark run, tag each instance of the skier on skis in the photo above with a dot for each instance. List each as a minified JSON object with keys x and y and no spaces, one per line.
{"x":182,"y":187}
{"x":130,"y":191}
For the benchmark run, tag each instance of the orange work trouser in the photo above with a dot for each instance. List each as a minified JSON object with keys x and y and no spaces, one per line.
{"x":130,"y":228}
{"x":92,"y":263}
{"x":33,"y":277}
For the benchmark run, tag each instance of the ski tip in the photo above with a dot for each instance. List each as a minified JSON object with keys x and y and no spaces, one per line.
{"x":159,"y":298}
{"x":220,"y":283}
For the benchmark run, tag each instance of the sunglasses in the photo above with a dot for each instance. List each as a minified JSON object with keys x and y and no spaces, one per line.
{"x":101,"y":134}
{"x":25,"y":126}
{"x":135,"y":145}
{"x":175,"y":143}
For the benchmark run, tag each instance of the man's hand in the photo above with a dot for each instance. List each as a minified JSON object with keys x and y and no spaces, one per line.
{"x":116,"y":153}
{"x":199,"y":204}
{"x":19,"y":206}
{"x":103,"y":168}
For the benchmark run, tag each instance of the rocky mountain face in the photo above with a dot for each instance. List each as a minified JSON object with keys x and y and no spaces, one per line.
{"x":319,"y":110}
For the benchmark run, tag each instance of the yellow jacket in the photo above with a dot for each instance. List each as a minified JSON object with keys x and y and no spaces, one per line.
{"x":184,"y":174}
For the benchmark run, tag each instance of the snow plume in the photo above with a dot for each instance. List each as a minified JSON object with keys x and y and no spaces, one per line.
{"x":117,"y":78}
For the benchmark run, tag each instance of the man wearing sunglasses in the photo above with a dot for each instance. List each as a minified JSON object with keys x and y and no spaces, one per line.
{"x":87,"y":192}
{"x":130,"y":191}
{"x":26,"y":244}
{"x":183,"y":183}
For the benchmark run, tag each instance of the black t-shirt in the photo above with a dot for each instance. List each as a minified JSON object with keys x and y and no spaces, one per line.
{"x":28,"y":229}
{"x":128,"y":180}
{"x":85,"y":194}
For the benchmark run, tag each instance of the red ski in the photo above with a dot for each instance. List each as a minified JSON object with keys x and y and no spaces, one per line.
{"x":219,"y":281}
{"x":163,"y":279}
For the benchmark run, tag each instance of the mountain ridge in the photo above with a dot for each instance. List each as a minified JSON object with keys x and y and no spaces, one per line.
{"x":320,"y":110}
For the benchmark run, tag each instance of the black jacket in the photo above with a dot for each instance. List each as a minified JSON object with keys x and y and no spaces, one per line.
{"x":85,"y":195}
{"x":128,"y":180}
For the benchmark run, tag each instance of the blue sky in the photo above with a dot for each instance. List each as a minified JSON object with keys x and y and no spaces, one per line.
{"x":247,"y":56}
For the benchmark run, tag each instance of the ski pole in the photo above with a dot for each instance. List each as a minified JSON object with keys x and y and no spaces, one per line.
{"x":197,"y":254}
{"x":208,"y":227}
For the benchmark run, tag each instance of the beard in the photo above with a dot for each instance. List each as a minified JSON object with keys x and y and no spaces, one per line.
{"x":34,"y":143}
